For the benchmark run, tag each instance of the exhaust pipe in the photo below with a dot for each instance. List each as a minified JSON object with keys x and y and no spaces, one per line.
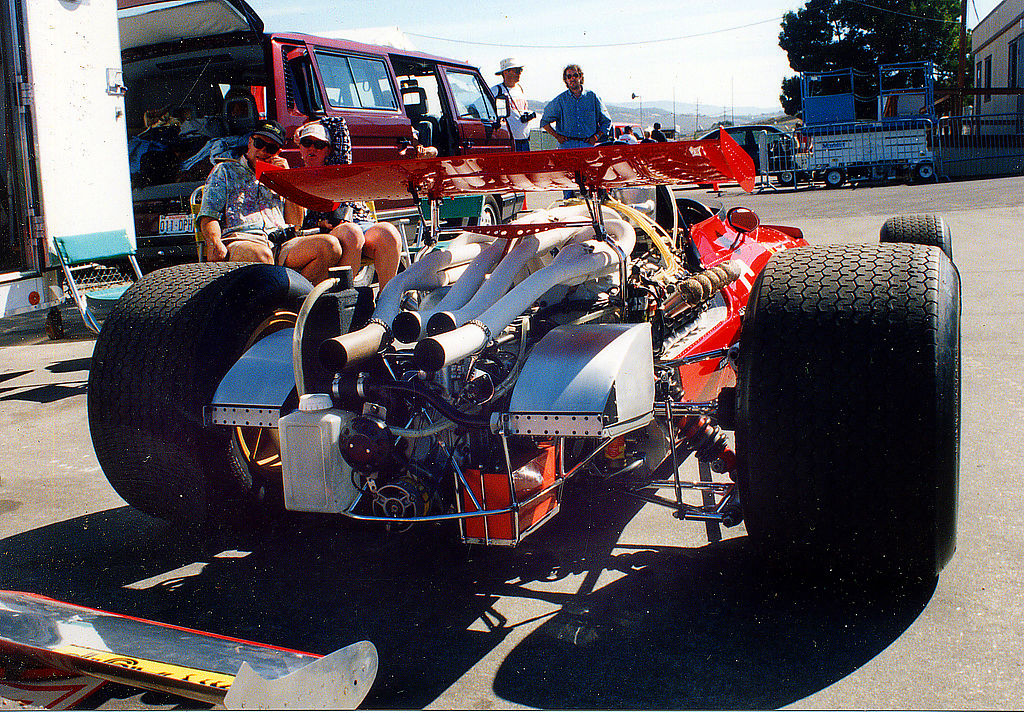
{"x":500,"y":280}
{"x":407,"y":325}
{"x":575,"y":263}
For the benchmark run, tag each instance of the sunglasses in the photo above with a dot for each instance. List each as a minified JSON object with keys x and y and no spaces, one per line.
{"x":262,"y":145}
{"x":309,"y":142}
{"x":573,"y":76}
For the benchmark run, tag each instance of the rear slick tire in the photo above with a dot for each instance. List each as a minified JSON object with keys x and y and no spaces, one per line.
{"x":918,"y":229}
{"x":848,"y":411}
{"x":158,"y":360}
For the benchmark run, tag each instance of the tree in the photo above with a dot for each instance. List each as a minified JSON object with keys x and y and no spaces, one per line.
{"x":828,"y":35}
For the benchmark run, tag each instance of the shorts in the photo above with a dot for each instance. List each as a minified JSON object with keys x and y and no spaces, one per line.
{"x":280,"y":251}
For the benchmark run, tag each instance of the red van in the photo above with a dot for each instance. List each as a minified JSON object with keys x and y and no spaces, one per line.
{"x":195,"y":87}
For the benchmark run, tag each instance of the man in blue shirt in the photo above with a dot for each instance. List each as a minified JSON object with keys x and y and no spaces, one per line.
{"x":581,"y":118}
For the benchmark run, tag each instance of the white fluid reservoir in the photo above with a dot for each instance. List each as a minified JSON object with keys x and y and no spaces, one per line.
{"x":316,"y":478}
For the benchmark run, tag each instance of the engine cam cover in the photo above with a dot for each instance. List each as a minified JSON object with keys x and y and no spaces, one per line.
{"x":594,"y":380}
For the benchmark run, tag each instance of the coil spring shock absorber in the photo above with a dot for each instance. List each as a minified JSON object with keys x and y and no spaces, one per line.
{"x":708,"y":442}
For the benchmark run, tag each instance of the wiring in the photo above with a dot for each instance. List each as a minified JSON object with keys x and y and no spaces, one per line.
{"x":591,"y":46}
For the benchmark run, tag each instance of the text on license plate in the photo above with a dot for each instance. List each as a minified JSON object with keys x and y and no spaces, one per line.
{"x":177,"y":223}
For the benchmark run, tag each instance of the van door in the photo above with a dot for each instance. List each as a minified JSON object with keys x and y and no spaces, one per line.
{"x":361,"y":88}
{"x":478,"y":126}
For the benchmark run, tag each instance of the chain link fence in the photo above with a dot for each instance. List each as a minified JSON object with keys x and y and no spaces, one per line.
{"x":988,"y":145}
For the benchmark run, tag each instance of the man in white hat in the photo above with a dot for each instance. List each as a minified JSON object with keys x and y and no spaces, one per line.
{"x":519,"y":114}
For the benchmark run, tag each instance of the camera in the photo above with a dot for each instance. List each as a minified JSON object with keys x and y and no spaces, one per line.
{"x":527,"y":116}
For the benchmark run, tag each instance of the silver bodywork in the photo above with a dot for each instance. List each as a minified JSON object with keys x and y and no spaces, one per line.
{"x":585,"y":380}
{"x":256,"y":386}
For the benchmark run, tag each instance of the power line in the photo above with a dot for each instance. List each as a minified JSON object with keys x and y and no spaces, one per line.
{"x":904,"y":14}
{"x":613,"y":44}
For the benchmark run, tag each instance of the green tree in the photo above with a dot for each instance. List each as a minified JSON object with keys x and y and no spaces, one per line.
{"x":827,"y":35}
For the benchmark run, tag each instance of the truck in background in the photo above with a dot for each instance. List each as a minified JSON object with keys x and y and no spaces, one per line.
{"x":114,"y":110}
{"x":862,"y":128}
{"x":199,"y":73}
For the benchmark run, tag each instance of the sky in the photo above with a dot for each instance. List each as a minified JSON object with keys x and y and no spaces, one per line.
{"x":717,"y":55}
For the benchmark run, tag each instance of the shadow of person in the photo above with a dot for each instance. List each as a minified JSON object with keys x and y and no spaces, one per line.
{"x":705,"y":628}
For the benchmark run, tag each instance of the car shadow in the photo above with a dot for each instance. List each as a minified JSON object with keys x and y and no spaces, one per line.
{"x":68,"y":366}
{"x":680,"y":628}
{"x":704,"y":629}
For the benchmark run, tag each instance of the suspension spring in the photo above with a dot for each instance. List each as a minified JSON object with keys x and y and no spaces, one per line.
{"x":707,"y":441}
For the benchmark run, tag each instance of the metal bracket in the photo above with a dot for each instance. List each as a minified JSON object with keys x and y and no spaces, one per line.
{"x":37,"y":228}
{"x":115,"y":82}
{"x":26,"y":94}
{"x":253,"y":416}
{"x":577,"y":425}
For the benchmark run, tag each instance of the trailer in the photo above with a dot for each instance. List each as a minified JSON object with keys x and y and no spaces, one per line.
{"x":66,"y":224}
{"x":861,"y":151}
{"x":861,"y":127}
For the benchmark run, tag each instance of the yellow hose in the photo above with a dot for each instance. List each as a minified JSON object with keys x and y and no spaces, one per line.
{"x":672,"y":265}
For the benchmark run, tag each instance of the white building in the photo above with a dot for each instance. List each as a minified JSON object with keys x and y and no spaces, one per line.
{"x":997,"y":44}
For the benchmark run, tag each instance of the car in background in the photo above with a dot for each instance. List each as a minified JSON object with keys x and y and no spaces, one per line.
{"x":619,"y":129}
{"x":199,"y":75}
{"x":782,"y":147}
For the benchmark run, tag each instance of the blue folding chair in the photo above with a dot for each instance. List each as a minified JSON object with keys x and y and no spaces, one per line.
{"x":96,"y":287}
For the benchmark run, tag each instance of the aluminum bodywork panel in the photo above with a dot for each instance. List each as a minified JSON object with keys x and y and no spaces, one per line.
{"x":586,"y":380}
{"x":258,"y":382}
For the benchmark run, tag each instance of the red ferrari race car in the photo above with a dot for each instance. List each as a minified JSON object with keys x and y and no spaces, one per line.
{"x":594,"y":340}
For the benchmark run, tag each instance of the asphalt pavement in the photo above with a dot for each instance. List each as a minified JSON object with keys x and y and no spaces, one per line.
{"x":613,"y":604}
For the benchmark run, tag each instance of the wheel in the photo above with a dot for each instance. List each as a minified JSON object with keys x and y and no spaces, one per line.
{"x":54,"y":324}
{"x":918,"y":229}
{"x":834,"y":177}
{"x":924,"y":172}
{"x":848,"y":410}
{"x":157,"y":362}
{"x":787,"y":178}
{"x":489,"y":214}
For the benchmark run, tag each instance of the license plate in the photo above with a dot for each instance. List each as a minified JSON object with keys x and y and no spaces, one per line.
{"x":177,"y":223}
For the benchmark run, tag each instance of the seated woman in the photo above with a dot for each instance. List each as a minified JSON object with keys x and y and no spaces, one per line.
{"x":351,"y":223}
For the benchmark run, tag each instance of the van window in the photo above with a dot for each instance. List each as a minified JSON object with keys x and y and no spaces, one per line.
{"x":471,"y":99}
{"x":355,"y":82}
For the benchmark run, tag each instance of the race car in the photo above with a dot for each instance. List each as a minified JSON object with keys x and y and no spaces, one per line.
{"x":599,"y":341}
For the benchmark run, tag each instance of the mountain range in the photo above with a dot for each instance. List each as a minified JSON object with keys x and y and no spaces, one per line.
{"x":686,"y":114}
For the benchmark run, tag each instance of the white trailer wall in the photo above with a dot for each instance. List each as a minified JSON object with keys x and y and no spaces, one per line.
{"x":81,"y":140}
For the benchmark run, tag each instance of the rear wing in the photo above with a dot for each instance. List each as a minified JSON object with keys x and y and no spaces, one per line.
{"x":601,"y":167}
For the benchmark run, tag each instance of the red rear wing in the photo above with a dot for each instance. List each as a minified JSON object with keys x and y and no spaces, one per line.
{"x":602,"y":167}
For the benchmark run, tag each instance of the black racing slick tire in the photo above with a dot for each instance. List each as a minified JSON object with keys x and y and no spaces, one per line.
{"x":157,"y":362}
{"x":918,"y":229}
{"x":848,"y":410}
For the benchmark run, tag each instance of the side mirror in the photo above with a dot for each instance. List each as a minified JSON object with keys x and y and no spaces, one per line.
{"x":742,"y":220}
{"x":501,"y":104}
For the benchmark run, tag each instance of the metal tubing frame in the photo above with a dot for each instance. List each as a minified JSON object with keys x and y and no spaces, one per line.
{"x":79,"y":298}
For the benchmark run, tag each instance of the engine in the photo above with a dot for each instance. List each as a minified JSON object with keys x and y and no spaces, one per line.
{"x":487,"y":371}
